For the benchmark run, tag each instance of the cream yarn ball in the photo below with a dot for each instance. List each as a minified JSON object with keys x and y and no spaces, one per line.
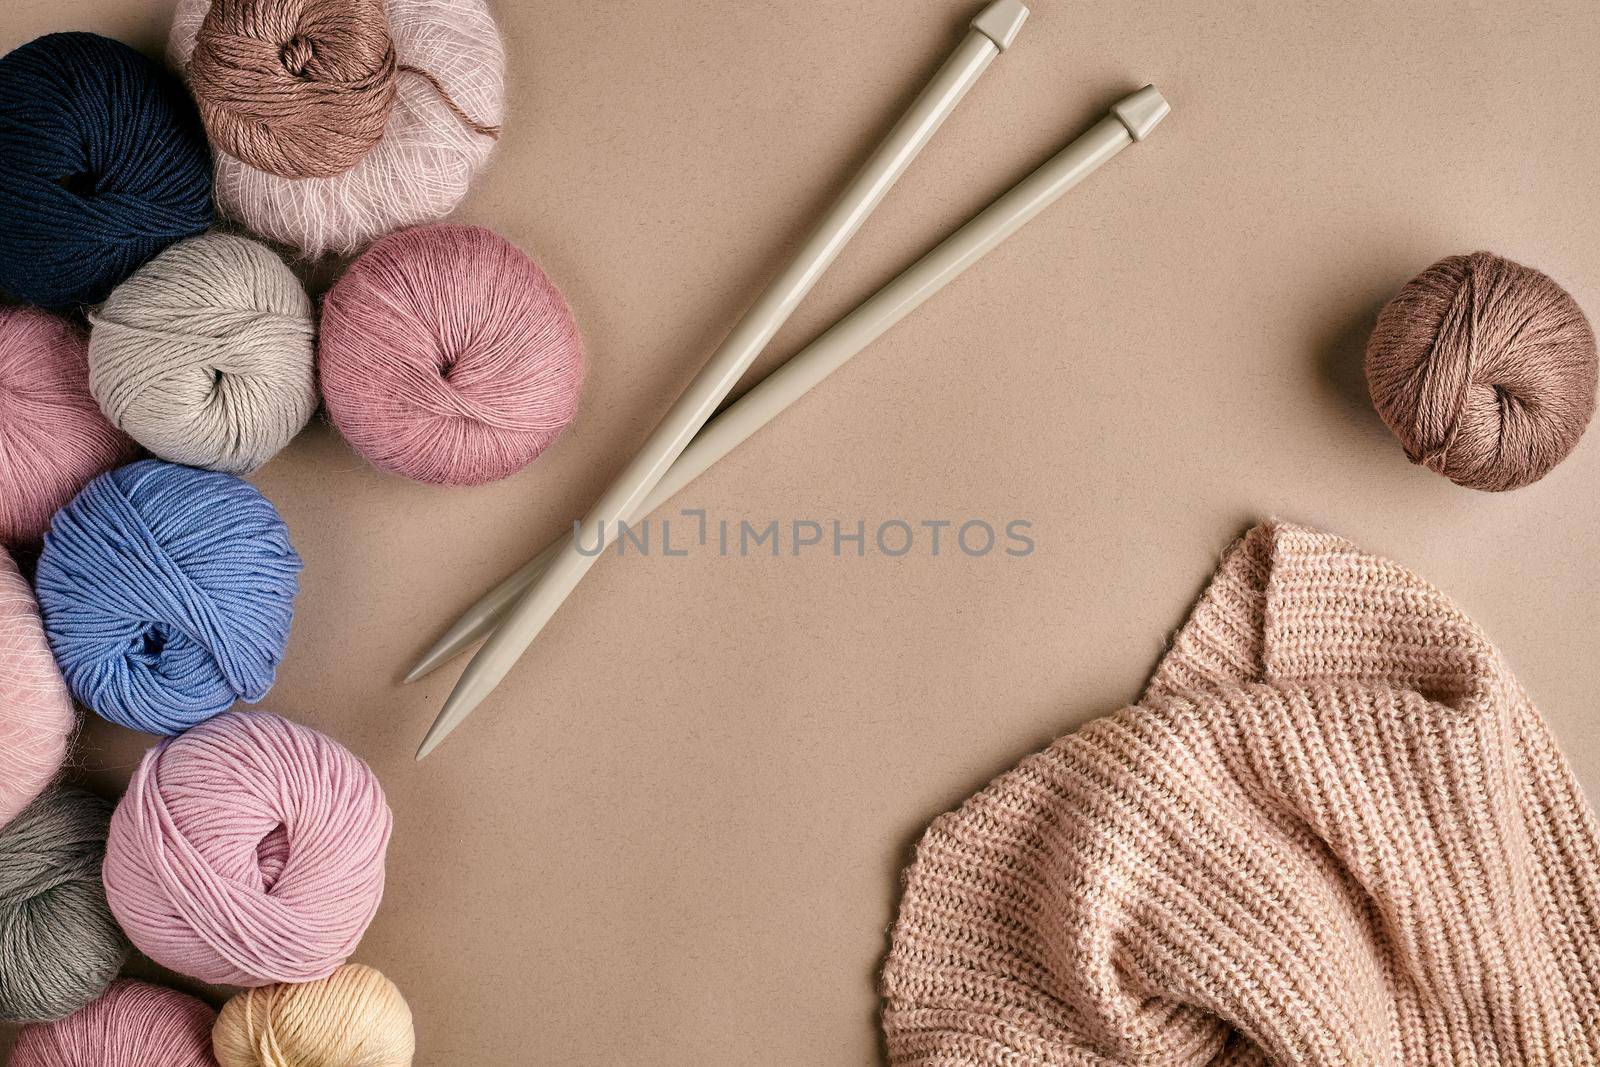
{"x":205,"y":355}
{"x":420,"y":168}
{"x":355,"y":1017}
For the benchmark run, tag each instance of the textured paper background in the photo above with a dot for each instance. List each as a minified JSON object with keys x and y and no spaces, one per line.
{"x":674,"y":836}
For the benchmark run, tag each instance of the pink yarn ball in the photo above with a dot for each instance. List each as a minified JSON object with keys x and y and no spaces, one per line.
{"x":247,"y":851}
{"x":133,"y":1024}
{"x":36,"y":716}
{"x":447,"y":355}
{"x":53,"y":438}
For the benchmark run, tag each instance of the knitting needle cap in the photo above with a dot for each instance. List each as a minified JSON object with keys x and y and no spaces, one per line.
{"x":1142,"y":111}
{"x":1001,"y":21}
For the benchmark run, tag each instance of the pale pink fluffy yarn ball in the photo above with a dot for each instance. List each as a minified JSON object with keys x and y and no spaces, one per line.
{"x":420,"y":168}
{"x":36,"y":716}
{"x":53,"y":438}
{"x":447,"y":355}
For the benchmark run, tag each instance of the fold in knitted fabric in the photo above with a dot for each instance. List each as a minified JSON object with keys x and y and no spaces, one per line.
{"x":1334,"y":830}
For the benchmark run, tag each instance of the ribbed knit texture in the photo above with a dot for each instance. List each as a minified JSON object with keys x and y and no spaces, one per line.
{"x":1333,"y":831}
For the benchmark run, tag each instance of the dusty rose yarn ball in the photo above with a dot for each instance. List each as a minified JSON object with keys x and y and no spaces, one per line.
{"x":133,"y":1024}
{"x":53,"y":438}
{"x":248,"y":850}
{"x":447,"y":355}
{"x":1485,"y":370}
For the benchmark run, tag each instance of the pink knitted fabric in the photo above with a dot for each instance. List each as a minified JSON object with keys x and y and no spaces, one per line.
{"x":1333,"y":831}
{"x":36,"y":716}
{"x":248,"y":850}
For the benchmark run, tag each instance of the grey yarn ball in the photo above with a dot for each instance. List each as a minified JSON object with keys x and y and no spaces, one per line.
{"x":59,"y":945}
{"x":204,"y":356}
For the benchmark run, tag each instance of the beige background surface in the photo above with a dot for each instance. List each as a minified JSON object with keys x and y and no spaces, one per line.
{"x":674,"y":836}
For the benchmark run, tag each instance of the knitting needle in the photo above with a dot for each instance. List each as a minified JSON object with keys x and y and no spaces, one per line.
{"x":991,"y":32}
{"x":1131,"y":119}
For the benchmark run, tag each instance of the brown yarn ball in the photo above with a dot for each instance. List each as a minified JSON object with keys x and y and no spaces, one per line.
{"x":299,"y":88}
{"x":1485,"y":370}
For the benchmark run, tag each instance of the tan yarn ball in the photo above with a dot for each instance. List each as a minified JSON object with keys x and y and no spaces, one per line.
{"x":355,"y":1017}
{"x":301,"y":88}
{"x":1485,"y":370}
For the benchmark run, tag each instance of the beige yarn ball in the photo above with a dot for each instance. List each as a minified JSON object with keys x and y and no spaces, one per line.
{"x":355,"y":1017}
{"x":205,"y":355}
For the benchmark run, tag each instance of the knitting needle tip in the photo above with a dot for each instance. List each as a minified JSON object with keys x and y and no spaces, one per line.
{"x":424,"y":665}
{"x":471,"y":689}
{"x":430,"y":742}
{"x":427,"y":746}
{"x":446,"y":722}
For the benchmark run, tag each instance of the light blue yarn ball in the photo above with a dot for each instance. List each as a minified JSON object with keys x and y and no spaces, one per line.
{"x":167,"y":594}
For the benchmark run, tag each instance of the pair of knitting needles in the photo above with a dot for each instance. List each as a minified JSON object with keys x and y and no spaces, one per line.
{"x":686,"y":444}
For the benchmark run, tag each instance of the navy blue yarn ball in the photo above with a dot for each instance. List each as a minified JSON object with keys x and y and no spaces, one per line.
{"x":167,"y":594}
{"x":103,"y":163}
